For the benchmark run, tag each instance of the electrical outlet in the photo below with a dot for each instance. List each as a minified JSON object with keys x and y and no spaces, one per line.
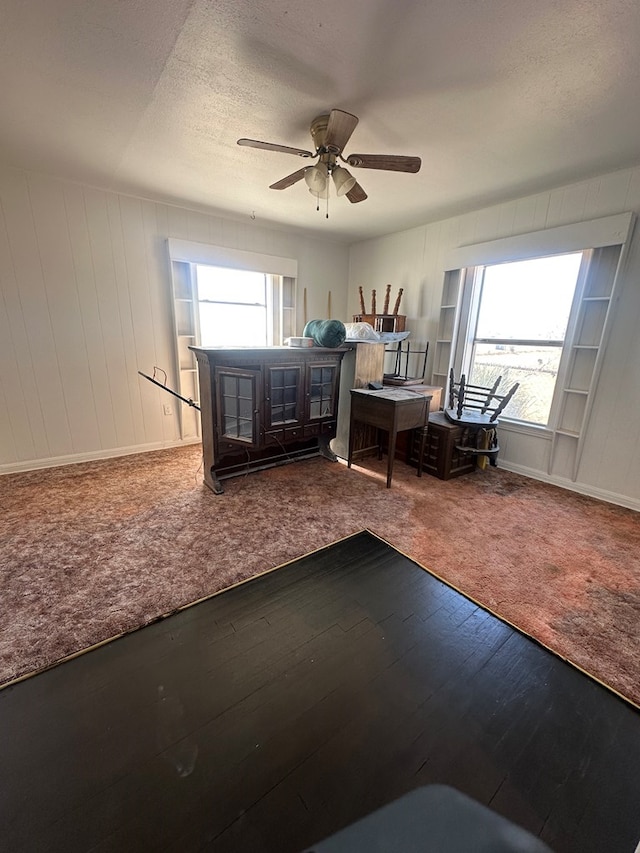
{"x":167,"y":409}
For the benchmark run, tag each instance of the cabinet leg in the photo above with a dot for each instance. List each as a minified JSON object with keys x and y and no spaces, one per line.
{"x":213,"y":482}
{"x":326,"y":451}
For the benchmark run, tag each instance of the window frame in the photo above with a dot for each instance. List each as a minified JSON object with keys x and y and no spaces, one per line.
{"x":281,"y":280}
{"x":469,"y":323}
{"x":182,"y":258}
{"x":584,"y":237}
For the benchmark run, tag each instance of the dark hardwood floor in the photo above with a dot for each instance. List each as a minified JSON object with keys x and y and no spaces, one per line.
{"x":272,"y":715}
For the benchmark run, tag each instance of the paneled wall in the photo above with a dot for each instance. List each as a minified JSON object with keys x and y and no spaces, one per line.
{"x":415,"y":260}
{"x":85,"y":302}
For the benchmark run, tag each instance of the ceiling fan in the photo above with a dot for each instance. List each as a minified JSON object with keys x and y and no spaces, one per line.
{"x":330,"y":134}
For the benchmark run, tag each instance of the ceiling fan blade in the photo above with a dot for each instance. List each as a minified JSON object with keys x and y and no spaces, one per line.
{"x":339,"y":129}
{"x":289,"y":180}
{"x":274,"y":146}
{"x":389,"y":162}
{"x":356,"y":194}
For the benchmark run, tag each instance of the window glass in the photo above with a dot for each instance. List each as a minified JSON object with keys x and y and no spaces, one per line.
{"x":220,"y":284}
{"x":528,"y":300}
{"x":522,"y":320}
{"x":232,"y":306}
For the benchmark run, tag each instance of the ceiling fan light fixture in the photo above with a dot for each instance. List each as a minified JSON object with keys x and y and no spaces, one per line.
{"x":323,"y":193}
{"x":343,"y":180}
{"x":316,"y":178}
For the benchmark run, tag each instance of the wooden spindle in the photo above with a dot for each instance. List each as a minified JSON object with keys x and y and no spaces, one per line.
{"x":385,"y":310}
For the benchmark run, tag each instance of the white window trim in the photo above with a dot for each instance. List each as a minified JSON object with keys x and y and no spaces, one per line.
{"x":222,"y":256}
{"x":591,"y":234}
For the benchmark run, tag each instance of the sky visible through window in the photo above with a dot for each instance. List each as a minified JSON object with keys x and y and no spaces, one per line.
{"x":528,"y":300}
{"x":233,"y":307}
{"x":524,"y":302}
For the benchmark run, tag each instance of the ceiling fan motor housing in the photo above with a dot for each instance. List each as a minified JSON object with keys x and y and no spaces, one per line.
{"x":318,"y":131}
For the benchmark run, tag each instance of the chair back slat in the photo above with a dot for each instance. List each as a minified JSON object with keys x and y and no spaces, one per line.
{"x":467,"y":396}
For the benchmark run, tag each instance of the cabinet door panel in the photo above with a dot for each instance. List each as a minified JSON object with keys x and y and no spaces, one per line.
{"x":237,"y":395}
{"x":322,"y":388}
{"x":283,"y":401}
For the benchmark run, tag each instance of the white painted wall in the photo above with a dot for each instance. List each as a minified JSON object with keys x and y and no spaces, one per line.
{"x":85,"y":302}
{"x":610,"y":466}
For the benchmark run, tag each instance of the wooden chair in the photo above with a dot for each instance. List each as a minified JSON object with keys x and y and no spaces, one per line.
{"x":476,"y":408}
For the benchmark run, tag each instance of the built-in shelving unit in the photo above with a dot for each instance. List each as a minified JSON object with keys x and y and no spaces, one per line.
{"x":185,"y":316}
{"x":447,"y":329}
{"x":287,"y":308}
{"x":588,"y":330}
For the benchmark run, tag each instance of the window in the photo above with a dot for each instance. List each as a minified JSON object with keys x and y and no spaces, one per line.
{"x":225,"y":297}
{"x":521,"y":319}
{"x":232,"y":297}
{"x":535,"y":308}
{"x":233,"y":307}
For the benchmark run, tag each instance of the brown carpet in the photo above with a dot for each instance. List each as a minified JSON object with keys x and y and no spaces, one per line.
{"x":92,"y":550}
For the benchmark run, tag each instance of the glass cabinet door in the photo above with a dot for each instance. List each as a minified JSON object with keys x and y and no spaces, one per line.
{"x":283,"y":395}
{"x":322,"y":390}
{"x":237,"y":405}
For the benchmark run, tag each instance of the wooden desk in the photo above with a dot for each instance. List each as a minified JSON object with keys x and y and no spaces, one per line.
{"x":393,"y":410}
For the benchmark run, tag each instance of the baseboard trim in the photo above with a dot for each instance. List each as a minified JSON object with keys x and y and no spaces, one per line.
{"x":91,"y":456}
{"x":580,"y":488}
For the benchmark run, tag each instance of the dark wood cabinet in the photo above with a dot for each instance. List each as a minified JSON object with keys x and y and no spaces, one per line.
{"x":441,"y":456}
{"x":263,"y":407}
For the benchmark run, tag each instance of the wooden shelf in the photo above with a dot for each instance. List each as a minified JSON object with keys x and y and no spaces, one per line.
{"x":587,"y":332}
{"x":569,"y":433}
{"x":447,"y":328}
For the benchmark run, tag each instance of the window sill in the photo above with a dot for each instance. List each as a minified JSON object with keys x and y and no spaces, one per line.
{"x":533,"y":430}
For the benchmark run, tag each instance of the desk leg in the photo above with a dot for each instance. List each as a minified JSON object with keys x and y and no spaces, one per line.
{"x":392,"y":452}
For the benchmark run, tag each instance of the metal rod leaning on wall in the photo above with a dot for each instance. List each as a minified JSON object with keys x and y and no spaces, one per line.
{"x":186,"y":400}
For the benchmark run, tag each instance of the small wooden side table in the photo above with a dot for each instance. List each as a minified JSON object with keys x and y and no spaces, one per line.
{"x":393,"y":410}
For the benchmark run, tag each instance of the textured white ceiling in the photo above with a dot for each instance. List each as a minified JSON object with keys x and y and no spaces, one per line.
{"x":498,"y":97}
